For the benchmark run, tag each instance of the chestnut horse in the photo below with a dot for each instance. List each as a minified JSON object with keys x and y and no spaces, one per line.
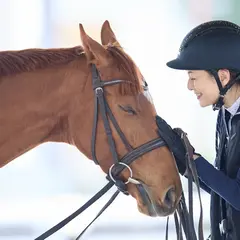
{"x":48,"y":95}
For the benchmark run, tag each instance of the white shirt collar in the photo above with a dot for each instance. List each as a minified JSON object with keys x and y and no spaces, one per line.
{"x":234,"y":108}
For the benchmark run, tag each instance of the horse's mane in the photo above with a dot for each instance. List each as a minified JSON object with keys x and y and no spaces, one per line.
{"x":14,"y":62}
{"x":134,"y":86}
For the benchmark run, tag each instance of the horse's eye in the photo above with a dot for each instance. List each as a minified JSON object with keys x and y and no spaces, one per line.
{"x":128,"y":109}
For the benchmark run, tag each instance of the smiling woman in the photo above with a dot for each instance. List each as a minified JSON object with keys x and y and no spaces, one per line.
{"x":210,"y":53}
{"x":206,"y":89}
{"x":204,"y":86}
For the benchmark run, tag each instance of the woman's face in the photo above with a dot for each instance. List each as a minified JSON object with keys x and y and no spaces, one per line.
{"x":204,"y":86}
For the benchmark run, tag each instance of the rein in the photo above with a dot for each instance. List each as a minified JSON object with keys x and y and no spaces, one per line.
{"x":183,"y":218}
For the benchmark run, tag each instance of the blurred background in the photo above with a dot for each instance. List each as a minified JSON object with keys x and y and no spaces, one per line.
{"x":45,"y":185}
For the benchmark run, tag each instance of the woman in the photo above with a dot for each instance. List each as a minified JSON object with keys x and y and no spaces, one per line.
{"x":210,"y":54}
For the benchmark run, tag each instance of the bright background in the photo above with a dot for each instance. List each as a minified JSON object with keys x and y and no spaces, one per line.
{"x":43,"y":186}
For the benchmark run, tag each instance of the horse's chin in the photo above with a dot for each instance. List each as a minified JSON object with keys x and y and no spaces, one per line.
{"x":150,"y":207}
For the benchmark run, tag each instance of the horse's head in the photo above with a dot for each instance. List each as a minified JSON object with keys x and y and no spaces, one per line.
{"x":131,"y":106}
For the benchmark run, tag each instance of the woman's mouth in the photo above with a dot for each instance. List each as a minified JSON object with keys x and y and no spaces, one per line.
{"x":199,"y":95}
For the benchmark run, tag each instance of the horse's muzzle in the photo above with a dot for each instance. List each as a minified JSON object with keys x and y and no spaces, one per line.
{"x":167,"y":205}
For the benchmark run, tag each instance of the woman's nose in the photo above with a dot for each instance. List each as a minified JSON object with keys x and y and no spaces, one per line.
{"x":190,"y":85}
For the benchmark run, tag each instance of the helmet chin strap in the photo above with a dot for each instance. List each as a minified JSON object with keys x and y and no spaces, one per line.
{"x":218,"y":104}
{"x":222,"y":90}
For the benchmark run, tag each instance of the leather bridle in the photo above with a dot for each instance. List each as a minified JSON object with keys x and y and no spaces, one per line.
{"x":100,"y":103}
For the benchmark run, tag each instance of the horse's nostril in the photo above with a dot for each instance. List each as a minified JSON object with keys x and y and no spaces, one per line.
{"x":170,"y":198}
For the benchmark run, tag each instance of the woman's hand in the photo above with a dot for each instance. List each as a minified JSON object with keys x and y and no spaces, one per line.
{"x":173,"y":139}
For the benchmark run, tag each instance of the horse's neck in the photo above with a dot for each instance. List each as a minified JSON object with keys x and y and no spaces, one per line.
{"x":34,"y":108}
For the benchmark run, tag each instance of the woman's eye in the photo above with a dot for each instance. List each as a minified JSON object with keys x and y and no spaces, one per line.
{"x":128,"y":109}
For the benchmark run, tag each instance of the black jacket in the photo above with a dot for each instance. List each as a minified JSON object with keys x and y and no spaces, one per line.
{"x":224,"y":183}
{"x":228,"y":160}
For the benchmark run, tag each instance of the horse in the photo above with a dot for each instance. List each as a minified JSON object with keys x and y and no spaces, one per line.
{"x":52,"y":95}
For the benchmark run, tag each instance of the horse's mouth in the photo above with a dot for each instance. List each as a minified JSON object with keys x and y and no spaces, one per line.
{"x":154,"y":209}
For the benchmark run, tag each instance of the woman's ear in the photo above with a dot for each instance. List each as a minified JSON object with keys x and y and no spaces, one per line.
{"x":224,"y":76}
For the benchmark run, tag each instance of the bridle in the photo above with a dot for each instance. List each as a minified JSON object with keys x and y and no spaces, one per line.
{"x":119,"y":165}
{"x":100,"y":103}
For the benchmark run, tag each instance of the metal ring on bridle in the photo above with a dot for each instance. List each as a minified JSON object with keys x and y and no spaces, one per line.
{"x":98,"y":88}
{"x":124,"y":164}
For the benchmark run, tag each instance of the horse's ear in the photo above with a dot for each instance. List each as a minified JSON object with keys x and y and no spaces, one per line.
{"x":94,"y":51}
{"x":107,"y":35}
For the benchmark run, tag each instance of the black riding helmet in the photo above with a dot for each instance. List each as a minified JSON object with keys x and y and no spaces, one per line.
{"x":211,"y":46}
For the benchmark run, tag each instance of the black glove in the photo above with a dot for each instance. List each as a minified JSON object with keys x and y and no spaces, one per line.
{"x":173,"y":139}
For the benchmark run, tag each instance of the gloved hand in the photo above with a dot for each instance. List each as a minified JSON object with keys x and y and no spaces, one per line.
{"x":174,"y":138}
